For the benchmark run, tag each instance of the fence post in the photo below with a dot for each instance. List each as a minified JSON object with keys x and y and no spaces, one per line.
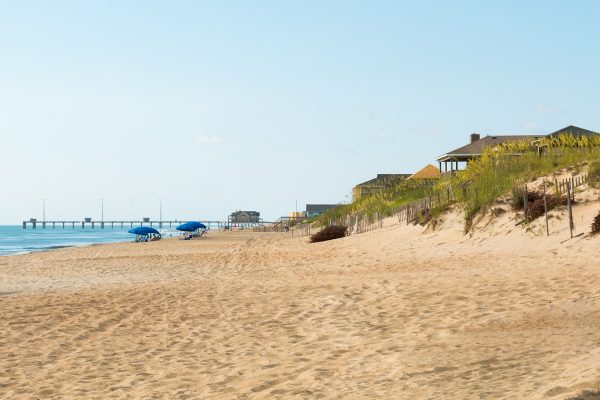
{"x":546,"y":210}
{"x":571,"y":225}
{"x":525,"y":199}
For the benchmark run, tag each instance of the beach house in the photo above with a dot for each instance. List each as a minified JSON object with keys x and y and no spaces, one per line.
{"x":244,"y":217}
{"x":314,"y":210}
{"x":382,"y":181}
{"x":457,"y":158}
{"x":427,"y":174}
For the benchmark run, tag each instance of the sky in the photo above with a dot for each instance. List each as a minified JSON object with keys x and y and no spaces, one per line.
{"x":220,"y":106}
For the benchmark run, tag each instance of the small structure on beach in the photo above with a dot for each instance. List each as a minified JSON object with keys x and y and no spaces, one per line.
{"x":244,"y":217}
{"x":314,"y":210}
{"x":381,"y":182}
{"x":145,"y":234}
{"x":192,"y":229}
{"x":297,"y":215}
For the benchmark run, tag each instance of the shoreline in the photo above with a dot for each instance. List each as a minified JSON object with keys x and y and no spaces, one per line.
{"x":51,"y":248}
{"x":51,"y":240}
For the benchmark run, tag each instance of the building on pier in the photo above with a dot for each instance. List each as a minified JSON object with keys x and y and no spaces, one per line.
{"x":244,"y":217}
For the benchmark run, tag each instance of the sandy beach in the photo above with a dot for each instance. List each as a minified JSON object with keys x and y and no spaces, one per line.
{"x":403,"y":312}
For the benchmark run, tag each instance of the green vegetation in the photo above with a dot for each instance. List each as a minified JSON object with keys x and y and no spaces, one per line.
{"x":499,"y":169}
{"x":384,"y":203}
{"x":594,"y":174}
{"x":494,"y":174}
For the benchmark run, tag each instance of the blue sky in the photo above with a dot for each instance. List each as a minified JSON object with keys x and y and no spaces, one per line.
{"x":217,"y":106}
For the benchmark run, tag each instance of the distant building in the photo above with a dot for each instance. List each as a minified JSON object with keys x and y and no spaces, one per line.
{"x":314,"y":210}
{"x":297,"y":214}
{"x":382,"y":181}
{"x":427,"y":173}
{"x":244,"y":217}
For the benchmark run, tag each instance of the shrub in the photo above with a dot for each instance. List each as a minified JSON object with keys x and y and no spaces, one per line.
{"x":535,"y":208}
{"x":594,"y":174}
{"x":329,"y":233}
{"x":423,"y":217}
{"x":518,"y":202}
{"x":596,"y":225}
{"x":587,"y":395}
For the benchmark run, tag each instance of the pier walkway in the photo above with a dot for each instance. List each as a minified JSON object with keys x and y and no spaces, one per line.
{"x":129,"y":223}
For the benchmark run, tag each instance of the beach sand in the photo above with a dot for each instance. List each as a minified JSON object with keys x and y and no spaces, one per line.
{"x":403,"y":312}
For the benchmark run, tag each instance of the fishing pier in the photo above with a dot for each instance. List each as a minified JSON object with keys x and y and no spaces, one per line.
{"x":88,"y":222}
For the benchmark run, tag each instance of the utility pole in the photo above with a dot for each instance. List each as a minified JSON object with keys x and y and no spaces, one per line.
{"x":102,"y":214}
{"x":43,"y":210}
{"x":160,"y":213}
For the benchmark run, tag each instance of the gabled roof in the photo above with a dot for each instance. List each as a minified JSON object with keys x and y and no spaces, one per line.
{"x":239,"y":212}
{"x":383,"y":179}
{"x":574,"y":130}
{"x":476,"y":148}
{"x":427,"y":172}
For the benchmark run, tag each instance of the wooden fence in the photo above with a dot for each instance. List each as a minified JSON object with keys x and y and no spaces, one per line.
{"x":420,"y":210}
{"x":564,"y":186}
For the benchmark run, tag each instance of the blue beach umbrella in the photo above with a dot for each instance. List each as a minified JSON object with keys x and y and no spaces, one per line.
{"x":191,"y":226}
{"x":143,"y":230}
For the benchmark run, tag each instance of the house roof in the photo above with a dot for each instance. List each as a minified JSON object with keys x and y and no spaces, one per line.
{"x":427,"y":172}
{"x":383,"y":179}
{"x":239,"y":212}
{"x":319,"y":207}
{"x":476,"y":148}
{"x":574,"y":130}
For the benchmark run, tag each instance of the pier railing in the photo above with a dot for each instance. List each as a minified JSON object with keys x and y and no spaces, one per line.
{"x":64,"y":224}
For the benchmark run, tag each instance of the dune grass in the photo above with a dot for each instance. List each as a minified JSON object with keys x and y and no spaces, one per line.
{"x":500,"y":169}
{"x":494,"y":174}
{"x":384,"y":203}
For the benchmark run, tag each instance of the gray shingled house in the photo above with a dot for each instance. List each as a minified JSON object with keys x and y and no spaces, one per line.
{"x":475,"y":148}
{"x":243,"y":217}
{"x":382,"y":181}
{"x":314,"y":210}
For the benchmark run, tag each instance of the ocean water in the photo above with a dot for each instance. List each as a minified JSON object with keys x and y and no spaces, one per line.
{"x":16,"y":240}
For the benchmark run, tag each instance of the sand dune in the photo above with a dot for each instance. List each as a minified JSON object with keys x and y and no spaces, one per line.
{"x":403,"y":312}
